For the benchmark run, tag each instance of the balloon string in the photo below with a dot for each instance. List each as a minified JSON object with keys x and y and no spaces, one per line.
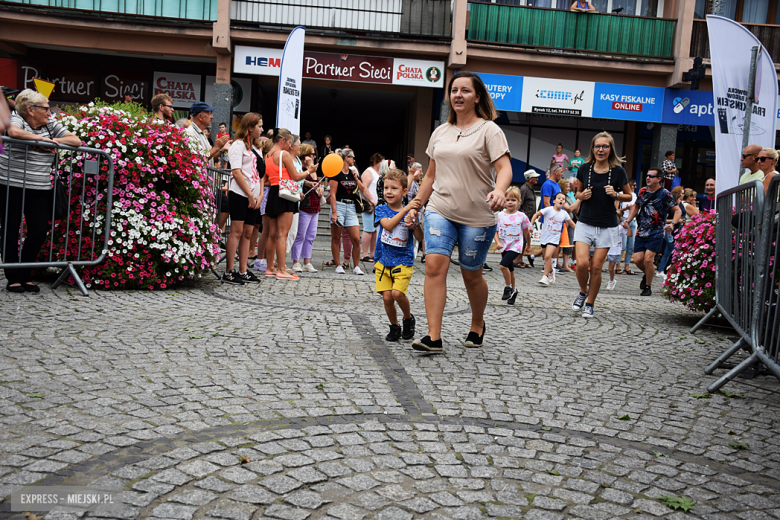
{"x":313,"y":187}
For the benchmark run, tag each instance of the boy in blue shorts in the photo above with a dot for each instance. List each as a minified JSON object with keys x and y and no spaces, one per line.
{"x":394,"y":253}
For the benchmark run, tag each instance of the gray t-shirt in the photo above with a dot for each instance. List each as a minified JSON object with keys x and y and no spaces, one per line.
{"x":37,"y":164}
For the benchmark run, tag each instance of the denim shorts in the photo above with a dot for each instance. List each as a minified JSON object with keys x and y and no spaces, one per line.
{"x":368,"y":223}
{"x":441,"y":237}
{"x":598,"y":237}
{"x":347,"y":214}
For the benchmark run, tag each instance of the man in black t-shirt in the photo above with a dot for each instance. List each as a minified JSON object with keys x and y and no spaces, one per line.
{"x":600,"y":180}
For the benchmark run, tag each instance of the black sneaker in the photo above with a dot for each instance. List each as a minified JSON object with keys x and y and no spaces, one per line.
{"x":531,"y":260}
{"x":248,"y":277}
{"x":512,"y":297}
{"x":422,"y":260}
{"x":232,"y":277}
{"x":643,"y":283}
{"x":647,"y":291}
{"x":409,"y":324}
{"x":394,"y":334}
{"x":507,"y":292}
{"x":487,"y":268}
{"x":427,"y":345}
{"x":474,"y":340}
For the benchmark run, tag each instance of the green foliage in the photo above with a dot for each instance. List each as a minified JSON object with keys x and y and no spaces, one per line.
{"x":684,"y":503}
{"x":739,"y":445}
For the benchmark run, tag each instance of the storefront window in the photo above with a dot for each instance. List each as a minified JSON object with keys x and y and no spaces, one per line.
{"x":755,"y":11}
{"x":700,"y":10}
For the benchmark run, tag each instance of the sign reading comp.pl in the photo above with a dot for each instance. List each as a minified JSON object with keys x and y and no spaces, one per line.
{"x":343,"y":67}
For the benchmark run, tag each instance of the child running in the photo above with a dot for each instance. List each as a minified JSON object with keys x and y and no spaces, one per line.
{"x":613,"y":257}
{"x":513,"y":227}
{"x":554,"y":218}
{"x":394,"y":253}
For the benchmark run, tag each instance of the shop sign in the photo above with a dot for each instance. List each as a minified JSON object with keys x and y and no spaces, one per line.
{"x":347,"y":67}
{"x":506,"y":91}
{"x":71,"y":83}
{"x":688,"y":107}
{"x":242,"y":93}
{"x":558,"y":98}
{"x":115,"y":82}
{"x":418,"y":73}
{"x":628,"y":102}
{"x":184,"y":89}
{"x":343,"y":67}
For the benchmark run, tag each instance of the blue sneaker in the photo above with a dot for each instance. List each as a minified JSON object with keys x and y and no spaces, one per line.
{"x":579,"y":301}
{"x":587,"y":312}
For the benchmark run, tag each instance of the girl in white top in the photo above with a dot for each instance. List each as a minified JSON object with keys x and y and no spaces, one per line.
{"x":554,"y":219}
{"x":369,"y":179}
{"x":244,"y":194}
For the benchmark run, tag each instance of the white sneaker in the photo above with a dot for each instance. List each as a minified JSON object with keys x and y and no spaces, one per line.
{"x":297,"y":267}
{"x":544,"y":280}
{"x":552,"y":276}
{"x":340,"y":270}
{"x":309,"y":268}
{"x":357,"y":270}
{"x":611,"y":285}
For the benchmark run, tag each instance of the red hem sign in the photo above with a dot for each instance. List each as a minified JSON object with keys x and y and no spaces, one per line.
{"x":343,"y":67}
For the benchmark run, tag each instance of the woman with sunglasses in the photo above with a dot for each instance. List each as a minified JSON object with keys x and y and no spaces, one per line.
{"x":767,"y":162}
{"x":600,"y":179}
{"x":25,"y":175}
{"x":342,"y":209}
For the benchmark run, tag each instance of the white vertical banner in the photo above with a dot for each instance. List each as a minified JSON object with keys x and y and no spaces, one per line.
{"x":288,"y":111}
{"x":730,"y":47}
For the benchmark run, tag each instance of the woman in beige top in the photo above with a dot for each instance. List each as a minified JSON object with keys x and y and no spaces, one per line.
{"x":468,"y":173}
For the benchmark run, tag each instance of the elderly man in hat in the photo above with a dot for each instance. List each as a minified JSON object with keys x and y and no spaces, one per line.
{"x":202,"y":115}
{"x":528,"y":202}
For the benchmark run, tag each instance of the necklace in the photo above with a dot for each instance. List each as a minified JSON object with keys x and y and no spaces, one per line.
{"x":593,"y":170}
{"x":466,"y":133}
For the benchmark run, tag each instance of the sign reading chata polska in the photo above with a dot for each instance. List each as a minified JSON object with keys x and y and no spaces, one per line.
{"x":343,"y":67}
{"x":184,"y":89}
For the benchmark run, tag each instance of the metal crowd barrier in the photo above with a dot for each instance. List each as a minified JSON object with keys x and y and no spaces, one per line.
{"x":90,"y":164}
{"x":217,"y":179}
{"x":764,"y":336}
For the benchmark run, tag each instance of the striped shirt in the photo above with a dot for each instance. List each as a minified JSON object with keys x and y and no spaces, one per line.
{"x":38,"y":163}
{"x":199,"y":138}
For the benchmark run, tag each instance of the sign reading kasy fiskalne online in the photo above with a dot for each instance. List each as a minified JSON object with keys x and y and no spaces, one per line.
{"x":343,"y":67}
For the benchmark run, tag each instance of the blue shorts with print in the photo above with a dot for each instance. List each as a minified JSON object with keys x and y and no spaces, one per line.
{"x":441,"y":237}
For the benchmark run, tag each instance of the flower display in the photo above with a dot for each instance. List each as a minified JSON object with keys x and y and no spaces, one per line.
{"x":691,"y":277}
{"x":162,"y":215}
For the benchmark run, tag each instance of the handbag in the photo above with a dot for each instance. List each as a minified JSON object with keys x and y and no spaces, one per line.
{"x":61,"y":203}
{"x":288,"y":188}
{"x":362,"y":205}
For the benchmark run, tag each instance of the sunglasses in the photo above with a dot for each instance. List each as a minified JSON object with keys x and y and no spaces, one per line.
{"x":350,"y":156}
{"x":762,"y":159}
{"x":47,"y":109}
{"x":601,"y":147}
{"x":652,"y":176}
{"x":746,"y":155}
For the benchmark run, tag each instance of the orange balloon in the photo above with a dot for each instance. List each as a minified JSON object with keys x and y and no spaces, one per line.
{"x":332,"y":165}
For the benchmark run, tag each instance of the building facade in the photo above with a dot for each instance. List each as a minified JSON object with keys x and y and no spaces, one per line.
{"x":375,"y":70}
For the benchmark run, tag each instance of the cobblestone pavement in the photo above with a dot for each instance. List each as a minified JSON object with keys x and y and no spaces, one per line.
{"x":282,"y":400}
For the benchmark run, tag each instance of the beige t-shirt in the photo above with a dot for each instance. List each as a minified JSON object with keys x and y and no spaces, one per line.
{"x":464,"y":171}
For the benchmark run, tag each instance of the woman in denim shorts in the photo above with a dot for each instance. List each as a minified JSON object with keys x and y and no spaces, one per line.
{"x":468,"y":174}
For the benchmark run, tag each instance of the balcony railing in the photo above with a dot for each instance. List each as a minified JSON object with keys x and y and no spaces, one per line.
{"x":196,"y":10}
{"x":768,"y":35}
{"x":406,"y":17}
{"x":537,"y":27}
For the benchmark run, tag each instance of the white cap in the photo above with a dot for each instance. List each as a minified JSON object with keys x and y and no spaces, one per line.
{"x":531,"y":174}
